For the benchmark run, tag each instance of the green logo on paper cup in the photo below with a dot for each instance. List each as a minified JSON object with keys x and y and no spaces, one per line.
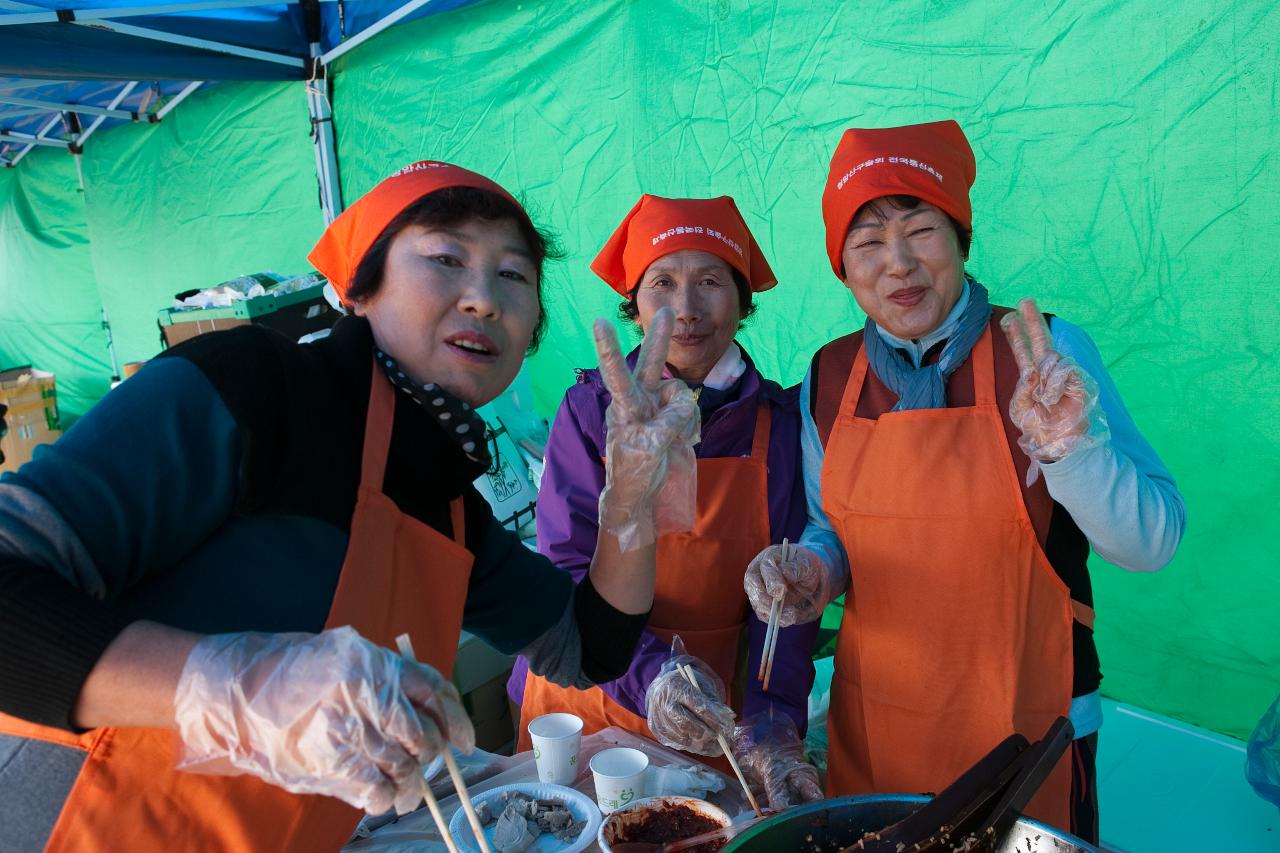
{"x":627,"y":794}
{"x":537,"y":753}
{"x":573,"y":761}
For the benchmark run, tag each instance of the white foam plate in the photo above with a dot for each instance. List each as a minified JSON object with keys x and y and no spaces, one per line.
{"x":580,"y":806}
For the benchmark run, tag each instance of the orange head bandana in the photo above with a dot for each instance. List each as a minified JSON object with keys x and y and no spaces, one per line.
{"x":345,"y":241}
{"x":658,"y":226}
{"x":930,"y":161}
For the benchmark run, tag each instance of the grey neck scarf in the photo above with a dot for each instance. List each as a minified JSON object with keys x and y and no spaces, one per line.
{"x":925,"y":387}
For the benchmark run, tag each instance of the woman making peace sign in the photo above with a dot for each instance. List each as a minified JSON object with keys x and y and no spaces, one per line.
{"x":960,"y":459}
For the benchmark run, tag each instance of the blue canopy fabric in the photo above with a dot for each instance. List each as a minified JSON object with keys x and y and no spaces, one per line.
{"x":49,"y":55}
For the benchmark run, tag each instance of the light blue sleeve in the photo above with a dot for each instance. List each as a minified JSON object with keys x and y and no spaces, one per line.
{"x":1119,"y":493}
{"x":818,"y":535}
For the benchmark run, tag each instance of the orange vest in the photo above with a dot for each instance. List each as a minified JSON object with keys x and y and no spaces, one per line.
{"x":699,"y":593}
{"x":128,"y":795}
{"x":956,"y":630}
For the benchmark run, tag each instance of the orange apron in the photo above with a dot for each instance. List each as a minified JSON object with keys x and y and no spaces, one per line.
{"x":956,"y":630}
{"x":698,"y":593}
{"x":128,"y":795}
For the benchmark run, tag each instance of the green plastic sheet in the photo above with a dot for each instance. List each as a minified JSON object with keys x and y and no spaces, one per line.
{"x":1127,"y":179}
{"x":224,"y":186}
{"x":50,"y":313}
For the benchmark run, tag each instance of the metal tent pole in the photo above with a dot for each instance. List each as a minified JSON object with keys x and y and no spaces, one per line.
{"x":111,"y":348}
{"x":113,"y":13}
{"x":124,"y":92}
{"x":320,"y":108}
{"x":178,"y":98}
{"x":187,"y":41}
{"x":82,"y":109}
{"x":369,"y":32}
{"x":44,"y":131}
{"x":321,"y":111}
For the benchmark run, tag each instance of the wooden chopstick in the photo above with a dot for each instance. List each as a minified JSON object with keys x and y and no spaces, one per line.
{"x":770,"y":627}
{"x":437,"y":815}
{"x":771,"y":632}
{"x":406,"y":651}
{"x":773,"y":648}
{"x":724,"y":745}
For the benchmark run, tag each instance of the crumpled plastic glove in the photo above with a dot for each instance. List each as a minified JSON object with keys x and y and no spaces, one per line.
{"x":683,"y":716}
{"x":1055,"y":403}
{"x":329,"y":713}
{"x":651,"y":424}
{"x":769,"y":751}
{"x":804,"y":579}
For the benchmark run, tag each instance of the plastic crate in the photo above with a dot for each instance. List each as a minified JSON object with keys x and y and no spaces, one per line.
{"x":292,"y":314}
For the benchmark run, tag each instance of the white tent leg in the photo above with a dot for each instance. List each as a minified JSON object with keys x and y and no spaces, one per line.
{"x":322,"y":135}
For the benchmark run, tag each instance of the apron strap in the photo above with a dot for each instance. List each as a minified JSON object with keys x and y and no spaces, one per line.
{"x":984,"y":370}
{"x":458,"y":519}
{"x":1082,"y":613}
{"x":853,"y":388}
{"x":377,"y":430}
{"x":760,"y":441}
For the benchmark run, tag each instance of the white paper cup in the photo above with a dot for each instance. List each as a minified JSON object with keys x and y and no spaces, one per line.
{"x":556,"y":740}
{"x":619,"y":777}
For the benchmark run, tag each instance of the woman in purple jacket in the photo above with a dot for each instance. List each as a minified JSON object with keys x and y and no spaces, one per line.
{"x":697,"y":257}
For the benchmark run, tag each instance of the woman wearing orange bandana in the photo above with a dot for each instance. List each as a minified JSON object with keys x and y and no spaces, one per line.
{"x":960,"y":459}
{"x":697,"y":258}
{"x":208,"y":572}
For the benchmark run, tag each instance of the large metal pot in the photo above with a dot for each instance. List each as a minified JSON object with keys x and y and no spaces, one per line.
{"x":829,"y":825}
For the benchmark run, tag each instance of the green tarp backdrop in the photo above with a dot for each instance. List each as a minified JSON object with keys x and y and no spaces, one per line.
{"x":1127,"y":179}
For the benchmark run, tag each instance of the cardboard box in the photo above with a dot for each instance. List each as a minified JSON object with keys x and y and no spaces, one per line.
{"x":32,"y":418}
{"x":490,"y":713}
{"x":480,"y":673}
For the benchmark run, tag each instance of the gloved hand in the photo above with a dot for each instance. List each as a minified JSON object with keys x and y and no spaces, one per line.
{"x":803,"y":578}
{"x":1055,"y":403}
{"x":769,"y":751}
{"x":650,"y":485}
{"x":683,"y":716}
{"x":329,"y":713}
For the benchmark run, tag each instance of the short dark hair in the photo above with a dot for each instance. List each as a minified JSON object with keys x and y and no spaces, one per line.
{"x":629,"y":310}
{"x":964,"y":236}
{"x":454,"y":206}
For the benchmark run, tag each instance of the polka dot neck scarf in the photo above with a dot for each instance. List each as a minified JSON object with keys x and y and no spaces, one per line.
{"x":459,"y":421}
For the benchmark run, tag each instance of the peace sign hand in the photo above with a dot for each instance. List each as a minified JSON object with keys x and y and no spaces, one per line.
{"x":1055,"y":403}
{"x":651,"y":427}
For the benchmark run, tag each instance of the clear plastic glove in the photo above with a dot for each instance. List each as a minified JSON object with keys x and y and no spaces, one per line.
{"x":683,"y":716}
{"x":1055,"y":403}
{"x":650,"y":483}
{"x":769,"y":751}
{"x":328,"y":713}
{"x":804,"y":580}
